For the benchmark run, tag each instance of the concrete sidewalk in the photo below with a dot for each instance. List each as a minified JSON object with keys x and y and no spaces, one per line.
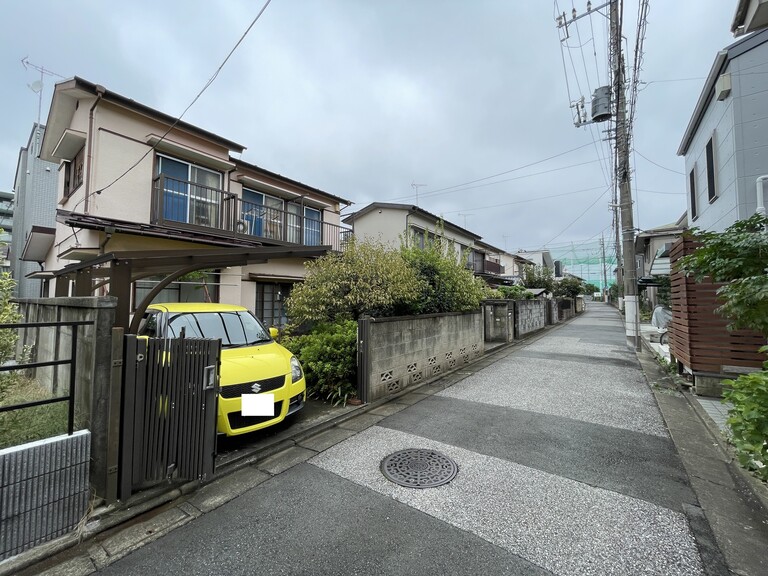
{"x":574,"y":458}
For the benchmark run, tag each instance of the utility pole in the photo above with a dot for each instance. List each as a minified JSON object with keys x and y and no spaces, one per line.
{"x":631,"y":315}
{"x":605,"y":272}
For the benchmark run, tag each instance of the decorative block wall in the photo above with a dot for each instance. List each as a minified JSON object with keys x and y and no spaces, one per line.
{"x":397,"y":353}
{"x":44,"y":490}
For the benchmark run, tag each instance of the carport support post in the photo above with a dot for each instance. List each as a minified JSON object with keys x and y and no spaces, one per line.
{"x":83,"y":283}
{"x":120,"y":287}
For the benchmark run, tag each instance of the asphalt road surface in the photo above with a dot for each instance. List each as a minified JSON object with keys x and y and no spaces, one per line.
{"x":565,"y":467}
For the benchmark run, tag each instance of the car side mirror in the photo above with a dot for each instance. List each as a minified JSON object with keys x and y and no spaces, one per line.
{"x":273,"y":332}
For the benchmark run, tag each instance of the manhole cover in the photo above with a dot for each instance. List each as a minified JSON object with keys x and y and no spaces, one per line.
{"x":419,"y":468}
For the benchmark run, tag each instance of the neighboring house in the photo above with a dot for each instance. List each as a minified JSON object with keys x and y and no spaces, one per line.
{"x":513,"y":266}
{"x":394,"y":223}
{"x":138,"y":184}
{"x":652,"y":254}
{"x":750,"y":16}
{"x":6,"y":225}
{"x":34,"y":210}
{"x":541,"y":258}
{"x":726,"y":142}
{"x":726,"y":151}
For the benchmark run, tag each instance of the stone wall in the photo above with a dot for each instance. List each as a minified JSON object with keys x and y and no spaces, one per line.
{"x":396,"y":353}
{"x":530,"y":316}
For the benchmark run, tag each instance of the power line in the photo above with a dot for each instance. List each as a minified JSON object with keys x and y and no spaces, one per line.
{"x":195,"y":99}
{"x":656,"y":163}
{"x":509,"y":171}
{"x":580,"y":215}
{"x":526,"y":200}
{"x":436,"y":192}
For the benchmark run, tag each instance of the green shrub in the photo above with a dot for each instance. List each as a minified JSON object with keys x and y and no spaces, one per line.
{"x":515,"y":292}
{"x":748,"y":419}
{"x":328,"y":355}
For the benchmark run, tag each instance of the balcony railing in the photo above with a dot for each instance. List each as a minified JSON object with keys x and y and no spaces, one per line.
{"x":179,"y":203}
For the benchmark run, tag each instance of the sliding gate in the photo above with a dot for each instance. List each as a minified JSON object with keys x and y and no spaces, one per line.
{"x":170,"y":390}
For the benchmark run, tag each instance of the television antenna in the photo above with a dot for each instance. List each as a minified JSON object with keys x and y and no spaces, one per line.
{"x":416,"y":188}
{"x":38,"y":85}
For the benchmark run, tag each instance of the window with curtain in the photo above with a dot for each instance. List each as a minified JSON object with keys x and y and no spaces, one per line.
{"x":191,"y":194}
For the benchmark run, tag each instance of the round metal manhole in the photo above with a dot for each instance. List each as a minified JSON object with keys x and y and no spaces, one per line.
{"x":419,"y":468}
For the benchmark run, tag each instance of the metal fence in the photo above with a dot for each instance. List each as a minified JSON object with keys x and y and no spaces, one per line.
{"x":71,"y":361}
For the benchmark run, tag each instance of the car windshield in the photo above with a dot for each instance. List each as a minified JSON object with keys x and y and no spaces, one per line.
{"x":236,"y":328}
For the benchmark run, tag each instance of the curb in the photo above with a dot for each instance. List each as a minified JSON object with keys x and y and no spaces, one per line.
{"x":757,"y":488}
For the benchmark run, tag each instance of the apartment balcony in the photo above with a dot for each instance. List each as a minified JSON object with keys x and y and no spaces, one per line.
{"x":191,"y":206}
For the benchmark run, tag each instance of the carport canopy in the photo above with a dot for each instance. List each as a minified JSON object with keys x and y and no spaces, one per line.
{"x":121,"y":269}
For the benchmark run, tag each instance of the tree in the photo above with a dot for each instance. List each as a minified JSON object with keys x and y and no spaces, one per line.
{"x":590,"y":288}
{"x":739,"y":257}
{"x":539,"y":277}
{"x":569,"y":287}
{"x":446,"y":284}
{"x":365,"y":279}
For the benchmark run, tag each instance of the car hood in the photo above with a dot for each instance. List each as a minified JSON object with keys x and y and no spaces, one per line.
{"x":254,"y":363}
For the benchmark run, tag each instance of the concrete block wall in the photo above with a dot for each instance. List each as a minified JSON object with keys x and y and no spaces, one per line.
{"x":530,"y":316}
{"x":499,"y":320}
{"x":553,"y":316}
{"x":403,"y":352}
{"x":44,"y":490}
{"x":94,"y":408}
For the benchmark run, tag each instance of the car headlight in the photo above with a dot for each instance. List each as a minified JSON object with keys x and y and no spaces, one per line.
{"x":296,"y":372}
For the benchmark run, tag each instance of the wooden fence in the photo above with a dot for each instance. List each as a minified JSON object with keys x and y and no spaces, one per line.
{"x":698,"y":336}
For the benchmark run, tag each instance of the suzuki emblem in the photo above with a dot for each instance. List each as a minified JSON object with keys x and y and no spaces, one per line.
{"x":256,"y":388}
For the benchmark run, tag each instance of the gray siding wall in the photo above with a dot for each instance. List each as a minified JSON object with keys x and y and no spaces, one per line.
{"x":403,"y":352}
{"x":749,"y":73}
{"x":35,"y":205}
{"x":739,"y":125}
{"x":43,"y":490}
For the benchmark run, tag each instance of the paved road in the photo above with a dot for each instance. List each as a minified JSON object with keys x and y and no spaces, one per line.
{"x":565,"y":467}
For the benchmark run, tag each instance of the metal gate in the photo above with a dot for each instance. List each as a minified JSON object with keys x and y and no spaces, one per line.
{"x":170,"y":390}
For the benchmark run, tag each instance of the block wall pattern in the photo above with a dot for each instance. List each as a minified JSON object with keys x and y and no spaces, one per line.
{"x":44,"y":490}
{"x":409,"y":351}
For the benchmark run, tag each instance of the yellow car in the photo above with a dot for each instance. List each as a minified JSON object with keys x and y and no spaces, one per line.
{"x":252,"y":363}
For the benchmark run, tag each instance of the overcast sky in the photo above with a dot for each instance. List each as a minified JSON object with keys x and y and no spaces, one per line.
{"x":367,"y":98}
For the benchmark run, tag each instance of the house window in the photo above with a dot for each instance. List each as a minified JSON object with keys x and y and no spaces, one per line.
{"x":312,"y":227}
{"x":711,"y":189}
{"x":192,"y":194}
{"x":692,"y":191}
{"x":270,"y":303}
{"x":418,"y":237}
{"x":74,"y":173}
{"x":262,"y":215}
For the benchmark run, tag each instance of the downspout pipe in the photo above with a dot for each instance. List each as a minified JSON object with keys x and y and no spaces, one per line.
{"x":100,"y":90}
{"x":759,"y":188}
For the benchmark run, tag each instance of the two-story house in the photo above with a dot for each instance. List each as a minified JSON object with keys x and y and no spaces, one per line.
{"x":726,"y":142}
{"x":159,"y":194}
{"x":393,"y":224}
